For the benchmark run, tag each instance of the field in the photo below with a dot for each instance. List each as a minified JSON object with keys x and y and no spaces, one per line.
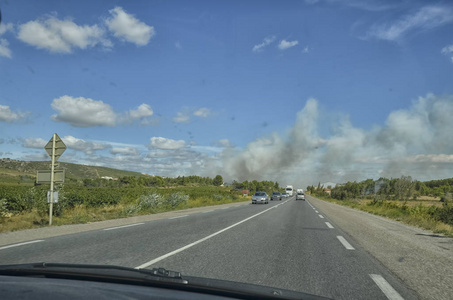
{"x":27,"y":207}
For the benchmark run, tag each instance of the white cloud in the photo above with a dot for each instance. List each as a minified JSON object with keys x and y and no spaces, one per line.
{"x":128,"y":151}
{"x":306,"y":50}
{"x":7,"y":115}
{"x":287,"y":44}
{"x":61,"y":36}
{"x":202,"y":112}
{"x":185,"y":114}
{"x":86,"y":112}
{"x":4,"y":48}
{"x":143,"y":112}
{"x":182,"y":117}
{"x":5,"y":27}
{"x":125,"y":26}
{"x":88,"y":147}
{"x":166,"y":144}
{"x":5,"y":51}
{"x":266,"y":42}
{"x":426,"y":18}
{"x":448,"y":50}
{"x":83,"y":112}
{"x":36,"y":143}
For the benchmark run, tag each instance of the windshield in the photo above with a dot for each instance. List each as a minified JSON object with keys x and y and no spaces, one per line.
{"x":132,"y":129}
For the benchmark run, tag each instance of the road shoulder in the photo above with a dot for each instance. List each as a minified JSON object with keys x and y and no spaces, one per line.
{"x":46,"y":232}
{"x":421,"y":259}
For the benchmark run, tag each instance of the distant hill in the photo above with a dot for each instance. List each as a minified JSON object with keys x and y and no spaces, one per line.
{"x":17,"y":168}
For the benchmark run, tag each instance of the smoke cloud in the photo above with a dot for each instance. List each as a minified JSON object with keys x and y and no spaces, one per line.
{"x":417,"y":141}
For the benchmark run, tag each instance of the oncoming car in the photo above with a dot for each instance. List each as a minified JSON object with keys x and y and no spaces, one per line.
{"x":260,"y":197}
{"x":276,"y":196}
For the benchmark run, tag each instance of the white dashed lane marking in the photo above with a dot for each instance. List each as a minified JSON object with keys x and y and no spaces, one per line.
{"x":178,"y":217}
{"x":345,"y":243}
{"x":386,"y":288}
{"x":20,"y":244}
{"x":124,"y":226}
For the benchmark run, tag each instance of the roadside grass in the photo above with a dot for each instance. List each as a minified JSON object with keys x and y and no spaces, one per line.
{"x":155,"y":201}
{"x":418,"y":213}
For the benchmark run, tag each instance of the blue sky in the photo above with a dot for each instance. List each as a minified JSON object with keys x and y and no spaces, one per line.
{"x":293,"y":91}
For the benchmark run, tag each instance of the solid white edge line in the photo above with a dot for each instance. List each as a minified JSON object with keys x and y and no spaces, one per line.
{"x":124,"y":226}
{"x":345,"y":242}
{"x":178,"y":217}
{"x":385,"y":287}
{"x":20,"y":244}
{"x":321,"y":216}
{"x":208,"y":211}
{"x":151,"y":262}
{"x":329,"y":225}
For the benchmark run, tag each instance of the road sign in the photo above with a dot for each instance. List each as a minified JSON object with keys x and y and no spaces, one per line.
{"x":55,"y":148}
{"x":44,"y":176}
{"x":55,"y":196}
{"x":60,"y":147}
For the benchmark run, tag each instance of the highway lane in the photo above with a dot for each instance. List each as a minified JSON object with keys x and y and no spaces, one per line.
{"x":286,"y":244}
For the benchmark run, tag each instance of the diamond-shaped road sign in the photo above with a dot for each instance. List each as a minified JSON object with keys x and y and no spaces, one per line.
{"x":60,"y":147}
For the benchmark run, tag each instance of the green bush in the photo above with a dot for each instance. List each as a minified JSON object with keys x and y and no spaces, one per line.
{"x":445,"y":214}
{"x":149,"y":202}
{"x":175,"y":199}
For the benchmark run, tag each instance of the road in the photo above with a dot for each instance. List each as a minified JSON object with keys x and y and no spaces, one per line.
{"x":288,"y":244}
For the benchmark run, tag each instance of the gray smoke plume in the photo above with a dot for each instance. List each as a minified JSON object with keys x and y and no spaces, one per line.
{"x":417,"y":141}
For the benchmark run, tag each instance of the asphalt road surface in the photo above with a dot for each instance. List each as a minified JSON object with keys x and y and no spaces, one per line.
{"x":287,"y":244}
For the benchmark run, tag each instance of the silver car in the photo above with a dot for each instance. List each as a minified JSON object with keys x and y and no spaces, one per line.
{"x":260,"y":197}
{"x":300,"y":196}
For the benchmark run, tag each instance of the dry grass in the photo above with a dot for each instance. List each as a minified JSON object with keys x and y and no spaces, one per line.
{"x":413,"y":212}
{"x":81,"y":214}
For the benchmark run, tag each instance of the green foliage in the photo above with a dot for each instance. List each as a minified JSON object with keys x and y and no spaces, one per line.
{"x":218,"y":180}
{"x":445,"y":214}
{"x":403,"y":188}
{"x":256,"y":186}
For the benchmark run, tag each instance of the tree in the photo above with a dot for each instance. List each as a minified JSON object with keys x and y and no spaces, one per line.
{"x":218,"y":180}
{"x":404,"y":188}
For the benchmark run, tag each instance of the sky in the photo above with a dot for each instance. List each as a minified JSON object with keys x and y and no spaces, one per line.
{"x":298,"y":92}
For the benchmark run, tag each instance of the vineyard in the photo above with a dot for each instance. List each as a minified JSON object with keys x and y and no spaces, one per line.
{"x":23,"y":204}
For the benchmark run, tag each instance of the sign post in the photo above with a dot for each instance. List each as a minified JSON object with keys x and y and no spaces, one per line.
{"x":55,"y":147}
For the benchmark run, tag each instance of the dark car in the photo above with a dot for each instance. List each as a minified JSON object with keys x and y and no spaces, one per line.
{"x":276,"y":196}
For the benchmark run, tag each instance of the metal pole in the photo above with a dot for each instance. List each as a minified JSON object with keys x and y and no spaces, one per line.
{"x":52,"y":168}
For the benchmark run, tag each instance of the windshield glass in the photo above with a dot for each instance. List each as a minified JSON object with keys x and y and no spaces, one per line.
{"x":132,"y":129}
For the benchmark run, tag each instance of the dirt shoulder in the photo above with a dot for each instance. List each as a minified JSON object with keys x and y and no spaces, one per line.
{"x":421,"y":259}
